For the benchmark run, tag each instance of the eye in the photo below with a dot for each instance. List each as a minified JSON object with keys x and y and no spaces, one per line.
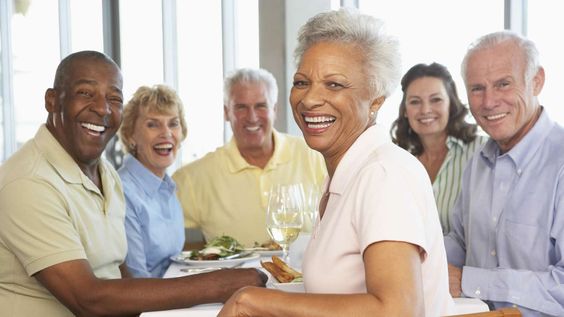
{"x":174,"y":123}
{"x":436,"y":100}
{"x":334,"y":85}
{"x":84,"y":93}
{"x":299,"y":83}
{"x":414,"y":102}
{"x":152,"y":124}
{"x":476,"y":89}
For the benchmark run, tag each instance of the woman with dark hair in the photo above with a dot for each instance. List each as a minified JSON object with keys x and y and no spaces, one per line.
{"x":431,"y":125}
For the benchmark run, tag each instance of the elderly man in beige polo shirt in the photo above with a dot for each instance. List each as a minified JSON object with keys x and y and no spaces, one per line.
{"x":62,"y":239}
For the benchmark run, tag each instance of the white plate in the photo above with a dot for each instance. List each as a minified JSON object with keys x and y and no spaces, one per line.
{"x":297,"y":287}
{"x":183,"y":258}
{"x":268,"y":253}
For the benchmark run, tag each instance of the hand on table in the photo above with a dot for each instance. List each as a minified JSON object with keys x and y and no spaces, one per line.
{"x":455,"y":280}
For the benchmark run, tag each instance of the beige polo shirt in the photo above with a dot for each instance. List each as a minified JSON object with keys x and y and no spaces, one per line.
{"x":50,"y":212}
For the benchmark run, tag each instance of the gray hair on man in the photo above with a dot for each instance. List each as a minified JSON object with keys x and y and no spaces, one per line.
{"x":254,"y":76}
{"x":490,"y":40}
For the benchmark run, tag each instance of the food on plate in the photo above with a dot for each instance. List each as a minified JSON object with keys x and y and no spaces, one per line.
{"x":268,"y":245}
{"x":217,"y":248}
{"x":281,"y":271}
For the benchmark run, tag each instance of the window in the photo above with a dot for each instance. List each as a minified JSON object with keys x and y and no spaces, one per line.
{"x":434,"y":31}
{"x":544,"y":22}
{"x":141,"y":45}
{"x":200,"y":67}
{"x":86,"y":26}
{"x":35,"y":57}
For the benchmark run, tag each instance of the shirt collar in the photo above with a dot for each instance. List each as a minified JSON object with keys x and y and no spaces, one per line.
{"x":452,"y":142}
{"x":150,"y":182}
{"x":356,"y":155}
{"x":523,"y":151}
{"x":237,"y":163}
{"x":65,"y":165}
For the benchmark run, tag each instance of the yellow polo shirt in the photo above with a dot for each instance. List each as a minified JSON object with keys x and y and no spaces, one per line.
{"x":50,"y":212}
{"x":223,"y":194}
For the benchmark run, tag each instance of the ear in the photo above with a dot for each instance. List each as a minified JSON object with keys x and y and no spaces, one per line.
{"x":377,"y":103}
{"x":538,"y":81}
{"x":275,"y":111}
{"x":51,"y":101}
{"x":225,"y":116}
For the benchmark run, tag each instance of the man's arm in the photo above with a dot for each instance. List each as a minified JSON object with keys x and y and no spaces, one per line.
{"x":74,"y":285}
{"x":540,"y":289}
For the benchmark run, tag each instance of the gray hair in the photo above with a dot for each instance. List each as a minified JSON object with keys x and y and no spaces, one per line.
{"x":381,"y":51}
{"x":254,"y":76}
{"x":491,"y":40}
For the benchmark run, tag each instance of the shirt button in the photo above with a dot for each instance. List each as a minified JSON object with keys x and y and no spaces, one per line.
{"x":494,"y":219}
{"x":492,"y":253}
{"x":477,"y":292}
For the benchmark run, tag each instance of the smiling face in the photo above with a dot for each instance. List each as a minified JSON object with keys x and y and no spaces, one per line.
{"x":85,"y":109}
{"x":157,"y":137}
{"x":251,"y":117}
{"x":500,"y":99}
{"x":427,"y":106}
{"x":330,"y":98}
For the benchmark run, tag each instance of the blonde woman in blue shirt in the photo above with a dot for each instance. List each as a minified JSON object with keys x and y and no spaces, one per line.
{"x":431,"y":125}
{"x":153,"y":128}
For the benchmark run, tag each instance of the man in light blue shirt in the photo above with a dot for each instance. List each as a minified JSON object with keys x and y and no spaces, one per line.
{"x":507,"y":231}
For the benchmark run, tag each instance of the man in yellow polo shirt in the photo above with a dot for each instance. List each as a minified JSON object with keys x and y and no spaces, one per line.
{"x":62,"y":237}
{"x":226,"y":191}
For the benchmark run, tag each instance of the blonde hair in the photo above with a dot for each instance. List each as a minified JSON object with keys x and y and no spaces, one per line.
{"x":160,"y":99}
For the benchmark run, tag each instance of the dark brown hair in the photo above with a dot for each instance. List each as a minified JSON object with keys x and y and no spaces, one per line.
{"x":457,"y":126}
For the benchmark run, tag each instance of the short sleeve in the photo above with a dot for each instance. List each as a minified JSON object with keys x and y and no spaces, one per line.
{"x":35,"y":225}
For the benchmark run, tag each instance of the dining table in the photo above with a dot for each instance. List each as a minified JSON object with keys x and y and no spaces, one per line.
{"x":462,"y":305}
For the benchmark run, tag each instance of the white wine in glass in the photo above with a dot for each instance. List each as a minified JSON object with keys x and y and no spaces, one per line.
{"x":284,"y":218}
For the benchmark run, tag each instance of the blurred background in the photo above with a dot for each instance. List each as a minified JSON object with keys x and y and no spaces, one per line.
{"x":191,"y":44}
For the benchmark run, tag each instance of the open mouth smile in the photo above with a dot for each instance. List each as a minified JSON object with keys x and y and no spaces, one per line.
{"x":319,"y":122}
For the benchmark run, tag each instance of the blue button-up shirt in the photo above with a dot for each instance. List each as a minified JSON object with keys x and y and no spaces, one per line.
{"x":154,"y":222}
{"x":507,"y":227}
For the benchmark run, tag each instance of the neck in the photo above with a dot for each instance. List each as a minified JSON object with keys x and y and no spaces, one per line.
{"x":92,"y":172}
{"x":434,"y":146}
{"x":259,"y":157}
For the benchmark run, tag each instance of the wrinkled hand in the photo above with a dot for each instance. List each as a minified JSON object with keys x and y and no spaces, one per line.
{"x":454,"y":280}
{"x":231,"y":280}
{"x":240,"y":304}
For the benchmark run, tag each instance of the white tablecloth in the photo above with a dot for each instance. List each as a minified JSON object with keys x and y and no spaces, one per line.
{"x":463,"y":305}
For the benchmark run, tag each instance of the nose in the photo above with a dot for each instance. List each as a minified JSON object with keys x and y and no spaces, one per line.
{"x":312,"y":96}
{"x":425,"y":107}
{"x":101,"y":106}
{"x":252,"y":114}
{"x":490,"y":98}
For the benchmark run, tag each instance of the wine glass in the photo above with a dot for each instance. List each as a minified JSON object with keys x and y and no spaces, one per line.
{"x":312,"y":195}
{"x":284,"y":217}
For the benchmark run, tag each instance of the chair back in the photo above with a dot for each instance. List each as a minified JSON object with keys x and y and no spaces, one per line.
{"x":502,"y":312}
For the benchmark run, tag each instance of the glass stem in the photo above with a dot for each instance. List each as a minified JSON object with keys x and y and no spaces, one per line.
{"x":286,"y":253}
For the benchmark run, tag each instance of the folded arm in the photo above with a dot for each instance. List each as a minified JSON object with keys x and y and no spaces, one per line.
{"x":392,"y":290}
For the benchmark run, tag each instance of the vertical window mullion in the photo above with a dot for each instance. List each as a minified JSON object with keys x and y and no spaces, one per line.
{"x":64,"y":28}
{"x":6,"y":79}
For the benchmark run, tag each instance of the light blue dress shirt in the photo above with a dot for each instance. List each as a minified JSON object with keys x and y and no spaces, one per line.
{"x":507,"y":227}
{"x":154,"y":222}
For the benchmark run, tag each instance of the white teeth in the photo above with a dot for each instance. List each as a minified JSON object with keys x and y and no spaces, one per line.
{"x":496,"y":116}
{"x":93,"y":127}
{"x":318,"y":125}
{"x":163,"y":146}
{"x":426,"y":120}
{"x":319,"y":119}
{"x":252,"y":129}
